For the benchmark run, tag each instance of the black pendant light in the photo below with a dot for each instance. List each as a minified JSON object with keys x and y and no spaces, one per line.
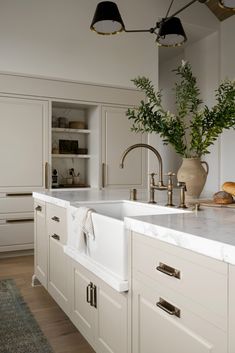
{"x":107,"y":19}
{"x":171,"y":33}
{"x":227,"y":4}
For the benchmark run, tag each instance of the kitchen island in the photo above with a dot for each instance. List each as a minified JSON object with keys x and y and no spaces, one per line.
{"x":181,"y":278}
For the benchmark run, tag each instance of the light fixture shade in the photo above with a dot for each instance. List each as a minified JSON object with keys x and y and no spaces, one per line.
{"x":227,"y":4}
{"x":171,"y":33}
{"x":107,"y":19}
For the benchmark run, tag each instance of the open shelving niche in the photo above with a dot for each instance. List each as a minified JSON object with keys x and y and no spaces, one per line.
{"x":85,"y":164}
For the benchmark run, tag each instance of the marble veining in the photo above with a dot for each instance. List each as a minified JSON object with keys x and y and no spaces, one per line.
{"x":210,"y":232}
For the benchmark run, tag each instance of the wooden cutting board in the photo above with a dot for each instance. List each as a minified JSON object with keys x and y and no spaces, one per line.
{"x":211,"y":203}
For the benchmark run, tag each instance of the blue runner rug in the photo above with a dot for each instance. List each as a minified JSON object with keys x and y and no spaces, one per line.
{"x":19,"y":331}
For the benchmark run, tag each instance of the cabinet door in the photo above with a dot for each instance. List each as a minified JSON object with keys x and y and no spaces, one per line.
{"x":111,"y":320}
{"x":231,"y":311}
{"x":58,"y":272}
{"x":82,"y":313}
{"x":116,"y":137}
{"x":23,"y":143}
{"x":155,"y":330}
{"x":40,"y":242}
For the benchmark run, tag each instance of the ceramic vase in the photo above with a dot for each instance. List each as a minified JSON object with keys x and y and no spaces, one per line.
{"x":194,"y":175}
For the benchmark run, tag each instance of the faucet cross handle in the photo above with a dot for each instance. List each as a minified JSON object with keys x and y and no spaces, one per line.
{"x":182,"y":185}
{"x":152,"y":181}
{"x":170,"y":176}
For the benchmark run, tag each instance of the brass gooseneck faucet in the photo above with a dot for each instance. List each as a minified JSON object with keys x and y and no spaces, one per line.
{"x":160,"y":185}
{"x":151,"y":148}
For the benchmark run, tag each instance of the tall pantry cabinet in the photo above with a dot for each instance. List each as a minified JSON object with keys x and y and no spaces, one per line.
{"x":24,"y":161}
{"x":30,"y":146}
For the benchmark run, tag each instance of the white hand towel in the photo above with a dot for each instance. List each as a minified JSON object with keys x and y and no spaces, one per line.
{"x":79,"y":227}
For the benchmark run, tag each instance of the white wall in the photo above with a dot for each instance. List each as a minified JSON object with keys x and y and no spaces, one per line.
{"x":204,"y":58}
{"x":52,"y":38}
{"x":212,"y":59}
{"x":227,"y":171}
{"x":166,"y":84}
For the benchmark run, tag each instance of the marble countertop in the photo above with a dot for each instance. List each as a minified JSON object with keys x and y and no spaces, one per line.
{"x":65,"y":198}
{"x":210,"y":231}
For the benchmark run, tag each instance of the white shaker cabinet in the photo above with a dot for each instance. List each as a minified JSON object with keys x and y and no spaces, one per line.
{"x":231,"y":308}
{"x":24,"y":161}
{"x":23,"y":144}
{"x":173,"y":311}
{"x":98,"y":311}
{"x":57,"y":259}
{"x":40,"y":242}
{"x":116,"y":137}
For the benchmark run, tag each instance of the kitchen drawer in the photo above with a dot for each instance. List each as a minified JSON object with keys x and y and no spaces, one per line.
{"x":164,"y":322}
{"x":57,"y":221}
{"x":16,"y":233}
{"x":200,"y":278}
{"x":14,"y":204}
{"x":40,"y":207}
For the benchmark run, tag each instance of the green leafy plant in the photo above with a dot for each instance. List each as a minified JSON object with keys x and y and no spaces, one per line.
{"x":193,"y":128}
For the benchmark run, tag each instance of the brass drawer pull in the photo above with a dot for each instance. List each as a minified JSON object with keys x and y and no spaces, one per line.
{"x":167,"y":270}
{"x":56,"y":219}
{"x":168,"y":308}
{"x":93,"y":296}
{"x":19,"y":194}
{"x":19,"y":220}
{"x":38,"y":208}
{"x":88,"y":293}
{"x":55,"y":236}
{"x":103,"y":175}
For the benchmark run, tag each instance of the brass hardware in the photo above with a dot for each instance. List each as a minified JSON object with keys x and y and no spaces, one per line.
{"x":55,"y":218}
{"x":19,"y":194}
{"x":167,"y":270}
{"x":20,"y":220}
{"x":88,"y":293}
{"x":160,"y":185}
{"x":38,"y":208}
{"x":46,"y":175}
{"x":93,"y":296}
{"x":103,"y":175}
{"x":196,"y":207}
{"x":133,"y":194}
{"x":170,"y":189}
{"x":168,"y":308}
{"x":182,"y":186}
{"x":55,"y":236}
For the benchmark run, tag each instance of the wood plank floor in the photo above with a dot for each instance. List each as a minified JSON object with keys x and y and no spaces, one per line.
{"x":60,"y":332}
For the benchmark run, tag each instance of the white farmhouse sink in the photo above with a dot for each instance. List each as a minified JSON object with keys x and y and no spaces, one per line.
{"x":109,"y":248}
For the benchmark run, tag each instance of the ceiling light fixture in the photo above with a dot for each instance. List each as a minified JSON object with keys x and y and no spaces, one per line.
{"x":227,"y":4}
{"x":169,"y":30}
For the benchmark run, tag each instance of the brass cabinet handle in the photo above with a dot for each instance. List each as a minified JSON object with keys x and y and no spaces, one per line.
{"x":93,"y":296}
{"x":167,"y":270}
{"x":18,"y":194}
{"x":38,"y":208}
{"x":88,"y":293}
{"x":103,"y":175}
{"x":20,"y":220}
{"x":46,"y":175}
{"x":168,"y":308}
{"x":55,"y":218}
{"x":55,"y":236}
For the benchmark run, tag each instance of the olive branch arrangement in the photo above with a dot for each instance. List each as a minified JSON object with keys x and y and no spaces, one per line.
{"x":193,"y":128}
